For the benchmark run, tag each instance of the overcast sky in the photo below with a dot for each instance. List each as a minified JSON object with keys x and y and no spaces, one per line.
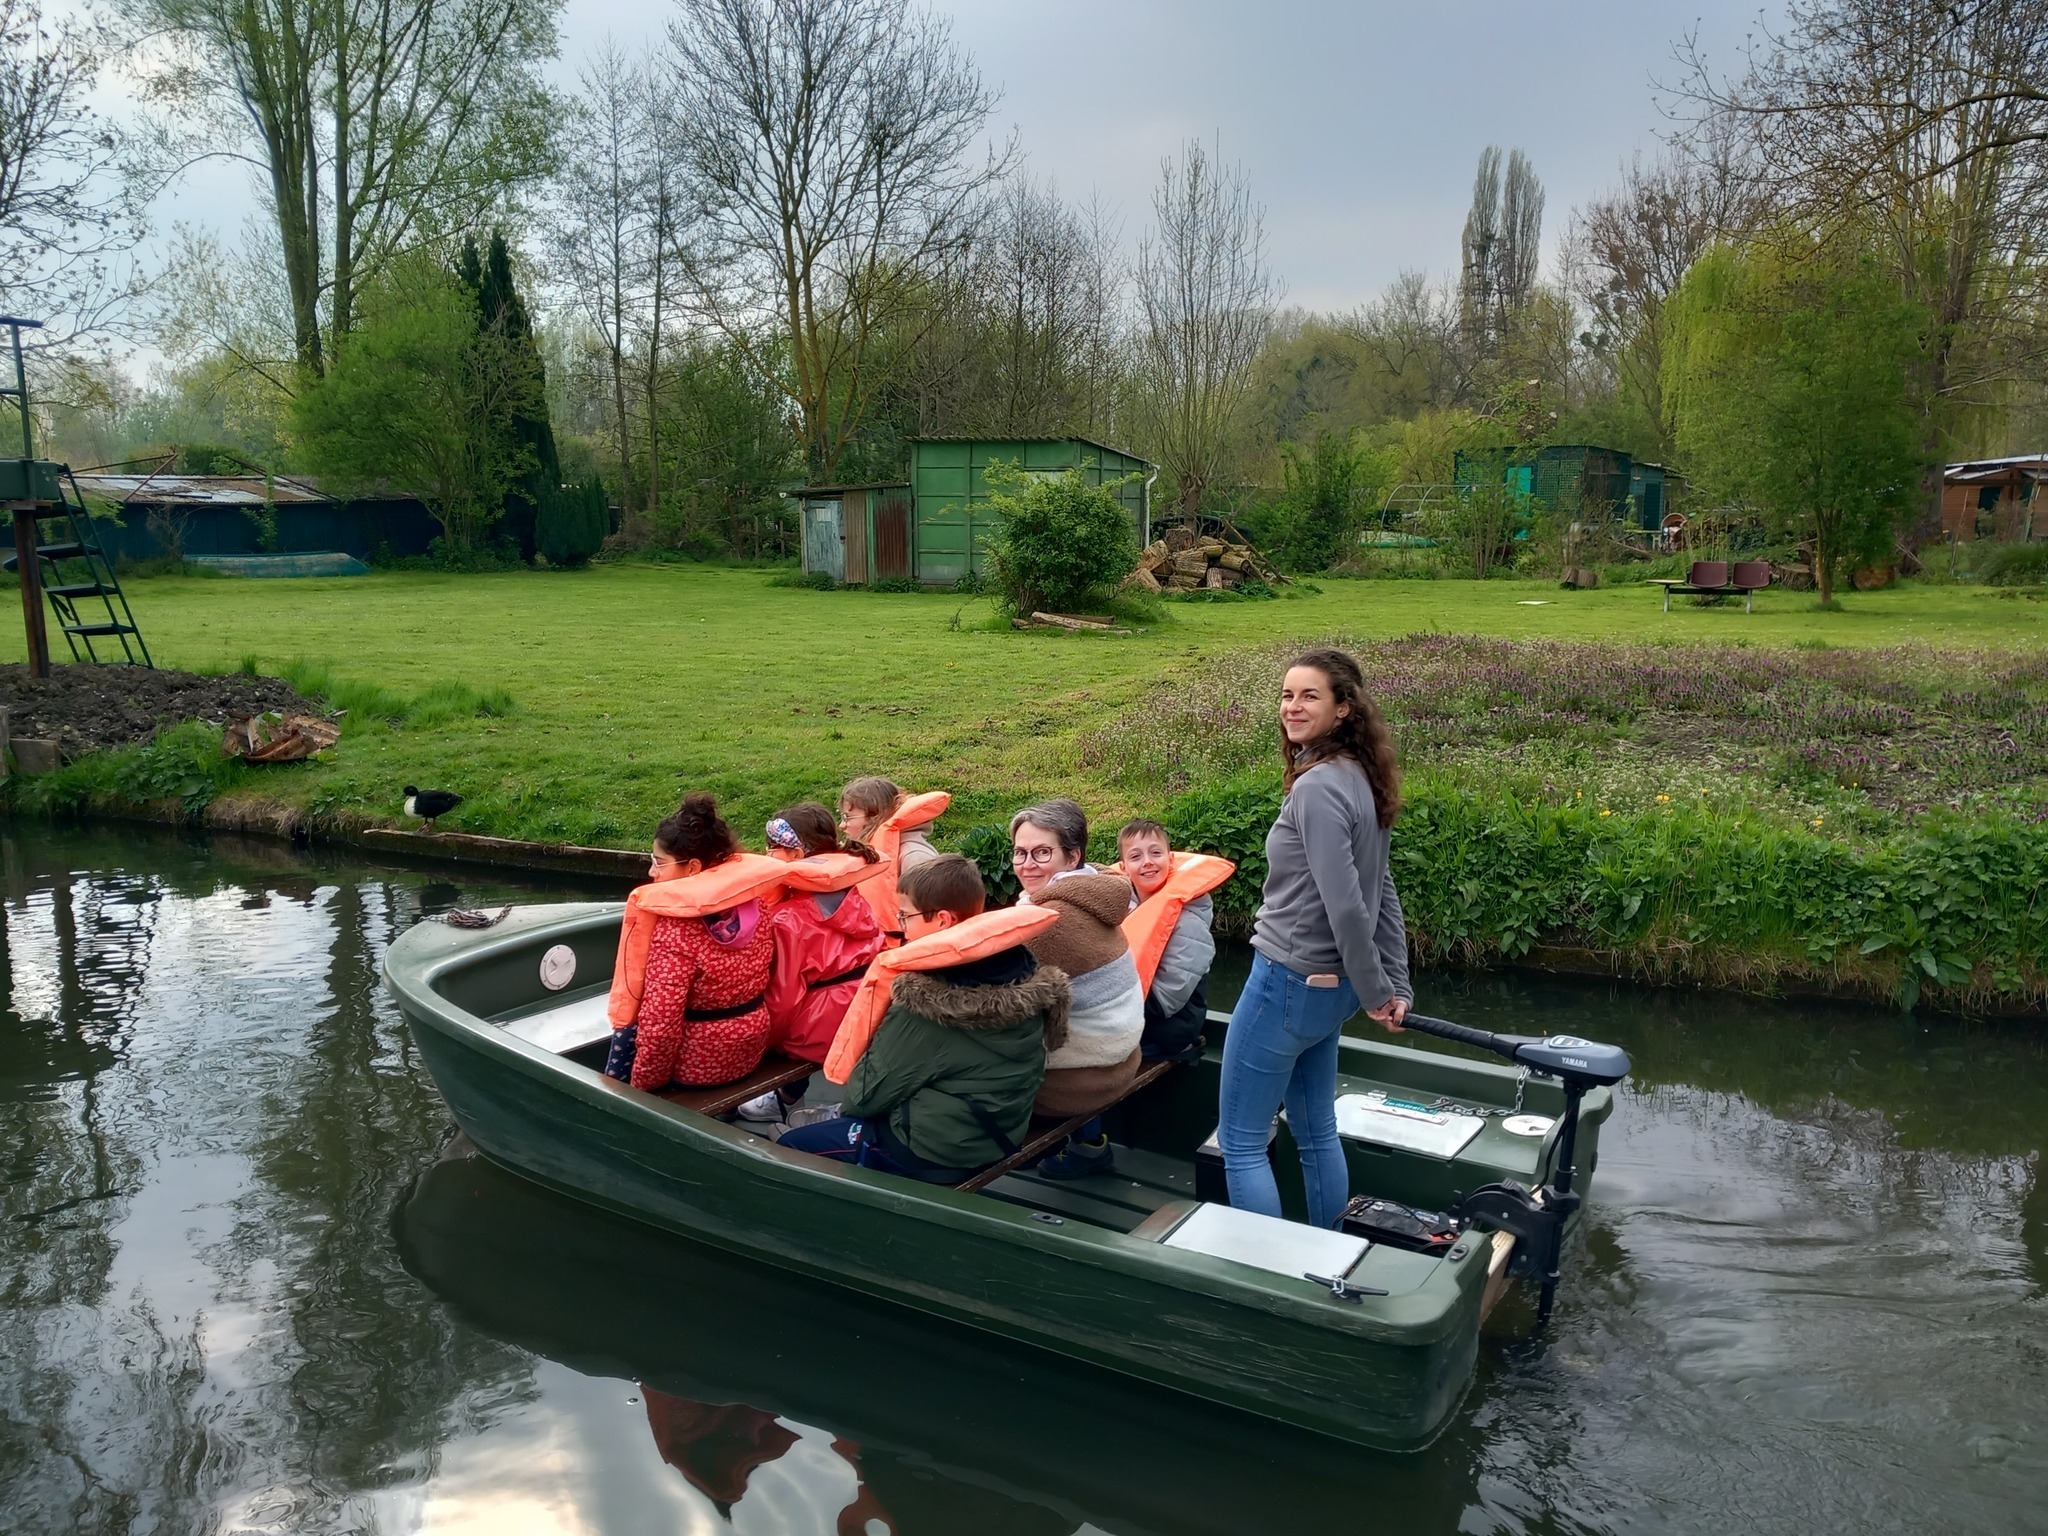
{"x":1359,"y":121}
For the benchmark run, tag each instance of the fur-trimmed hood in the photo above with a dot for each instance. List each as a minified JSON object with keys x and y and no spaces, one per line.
{"x":1045,"y":992}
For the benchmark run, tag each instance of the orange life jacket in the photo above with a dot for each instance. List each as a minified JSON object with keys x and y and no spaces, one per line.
{"x":887,"y":840}
{"x":1151,"y":923}
{"x":972,"y":938}
{"x":829,"y":872}
{"x":742,"y":878}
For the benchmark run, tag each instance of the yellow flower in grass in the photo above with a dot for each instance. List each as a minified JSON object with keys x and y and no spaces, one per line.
{"x":1605,"y":812}
{"x":1818,"y":820}
{"x":1663,"y":799}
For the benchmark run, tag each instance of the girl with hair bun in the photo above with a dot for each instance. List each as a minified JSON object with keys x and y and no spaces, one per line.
{"x":703,"y":1008}
{"x":1329,"y":936}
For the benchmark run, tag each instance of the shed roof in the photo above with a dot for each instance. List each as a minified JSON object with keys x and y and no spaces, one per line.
{"x":1002,"y":437}
{"x":202,"y":490}
{"x":841,"y":490}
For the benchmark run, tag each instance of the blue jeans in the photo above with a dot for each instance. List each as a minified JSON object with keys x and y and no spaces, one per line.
{"x":1282,"y":1047}
{"x":848,"y":1140}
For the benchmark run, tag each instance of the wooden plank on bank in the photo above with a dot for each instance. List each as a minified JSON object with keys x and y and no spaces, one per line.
{"x":472,"y":848}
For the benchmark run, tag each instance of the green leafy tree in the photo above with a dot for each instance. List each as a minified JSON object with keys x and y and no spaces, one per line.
{"x":527,"y":435}
{"x":419,"y":397}
{"x":1787,"y":374}
{"x":1058,"y":541}
{"x":1330,"y":482}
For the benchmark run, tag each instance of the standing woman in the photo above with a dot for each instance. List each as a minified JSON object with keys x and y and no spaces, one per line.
{"x":1329,"y":935}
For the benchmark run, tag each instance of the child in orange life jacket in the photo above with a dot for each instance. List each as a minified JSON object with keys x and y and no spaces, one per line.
{"x":823,"y":943}
{"x":1177,"y":1005}
{"x":945,"y":1086}
{"x":703,"y":1009}
{"x":863,"y":806}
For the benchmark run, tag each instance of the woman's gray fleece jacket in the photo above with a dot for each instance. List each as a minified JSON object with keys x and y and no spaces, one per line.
{"x":1329,"y":902}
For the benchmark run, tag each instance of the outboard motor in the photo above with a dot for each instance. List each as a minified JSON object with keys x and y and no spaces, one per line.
{"x":1508,"y":1207}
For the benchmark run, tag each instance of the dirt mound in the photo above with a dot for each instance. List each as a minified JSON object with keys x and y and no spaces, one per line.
{"x":89,"y":708}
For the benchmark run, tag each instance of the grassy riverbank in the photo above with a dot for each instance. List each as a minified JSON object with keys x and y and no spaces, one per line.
{"x":1580,"y":777}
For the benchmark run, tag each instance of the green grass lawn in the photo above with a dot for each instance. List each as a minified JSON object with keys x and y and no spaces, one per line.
{"x":634,"y":683}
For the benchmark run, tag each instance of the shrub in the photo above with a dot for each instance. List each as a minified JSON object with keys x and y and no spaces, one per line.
{"x":572,"y":523}
{"x":2011,"y":565}
{"x":1058,"y":542}
{"x":810,"y":581}
{"x":896,"y":584}
{"x":989,"y":848}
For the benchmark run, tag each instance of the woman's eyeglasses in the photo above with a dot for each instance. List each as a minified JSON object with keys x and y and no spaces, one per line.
{"x":1033,"y":855}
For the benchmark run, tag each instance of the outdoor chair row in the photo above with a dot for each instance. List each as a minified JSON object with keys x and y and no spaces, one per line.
{"x":1715,"y":578}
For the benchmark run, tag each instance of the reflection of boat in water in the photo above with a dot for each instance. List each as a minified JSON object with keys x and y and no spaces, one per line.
{"x":1369,"y":1340}
{"x":957,"y":1430}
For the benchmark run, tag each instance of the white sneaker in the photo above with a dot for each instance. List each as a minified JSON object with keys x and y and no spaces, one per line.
{"x":811,"y":1114}
{"x":764,"y":1107}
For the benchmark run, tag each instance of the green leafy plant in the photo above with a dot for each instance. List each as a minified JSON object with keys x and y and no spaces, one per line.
{"x":989,"y":848}
{"x":1058,"y":542}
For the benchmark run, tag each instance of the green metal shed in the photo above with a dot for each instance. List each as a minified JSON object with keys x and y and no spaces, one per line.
{"x":948,"y":481}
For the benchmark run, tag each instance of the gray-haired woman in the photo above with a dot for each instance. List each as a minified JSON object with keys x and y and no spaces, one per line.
{"x":1049,"y":851}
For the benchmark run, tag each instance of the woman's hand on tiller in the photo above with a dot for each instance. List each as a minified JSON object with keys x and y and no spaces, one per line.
{"x":1390,"y":1013}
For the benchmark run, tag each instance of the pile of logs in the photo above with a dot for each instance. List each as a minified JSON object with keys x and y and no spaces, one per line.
{"x":1186,"y":561}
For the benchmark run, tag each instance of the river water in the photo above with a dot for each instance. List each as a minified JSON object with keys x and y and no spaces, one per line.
{"x":251,"y":1286}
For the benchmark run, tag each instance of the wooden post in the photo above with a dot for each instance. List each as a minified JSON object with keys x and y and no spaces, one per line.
{"x":29,"y":568}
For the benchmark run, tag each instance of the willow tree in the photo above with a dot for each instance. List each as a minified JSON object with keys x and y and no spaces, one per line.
{"x":374,"y":125}
{"x":1787,"y":370}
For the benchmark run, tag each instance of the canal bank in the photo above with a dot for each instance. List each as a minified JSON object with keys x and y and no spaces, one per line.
{"x":250,"y":1288}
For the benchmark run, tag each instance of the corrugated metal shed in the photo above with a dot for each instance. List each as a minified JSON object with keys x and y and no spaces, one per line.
{"x":949,"y":481}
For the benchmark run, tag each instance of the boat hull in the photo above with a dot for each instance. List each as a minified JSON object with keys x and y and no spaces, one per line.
{"x":1387,"y":1373}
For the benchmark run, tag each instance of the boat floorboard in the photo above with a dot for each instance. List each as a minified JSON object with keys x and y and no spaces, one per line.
{"x":1139,"y":1184}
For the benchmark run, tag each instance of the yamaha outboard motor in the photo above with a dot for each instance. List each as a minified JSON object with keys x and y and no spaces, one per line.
{"x":1537,"y":1218}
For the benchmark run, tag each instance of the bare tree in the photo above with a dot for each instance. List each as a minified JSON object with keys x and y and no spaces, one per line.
{"x":375,"y":123}
{"x":601,"y":239}
{"x":66,"y":203}
{"x":1926,"y":121}
{"x":1412,"y":335}
{"x":1205,"y":299}
{"x":1029,"y":334}
{"x":828,"y":149}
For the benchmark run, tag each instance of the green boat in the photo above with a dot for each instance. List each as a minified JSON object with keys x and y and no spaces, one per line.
{"x":1145,"y":1270}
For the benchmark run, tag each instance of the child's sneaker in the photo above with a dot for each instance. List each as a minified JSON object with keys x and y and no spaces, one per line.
{"x":810,"y":1114}
{"x":1079,"y":1159}
{"x":765,"y":1107}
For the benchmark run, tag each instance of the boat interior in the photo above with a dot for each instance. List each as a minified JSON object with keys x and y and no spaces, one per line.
{"x":1419,"y":1127}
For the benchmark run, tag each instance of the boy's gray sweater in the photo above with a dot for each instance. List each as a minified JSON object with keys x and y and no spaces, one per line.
{"x":1329,"y":902}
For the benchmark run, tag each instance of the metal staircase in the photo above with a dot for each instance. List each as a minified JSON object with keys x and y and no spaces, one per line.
{"x":58,"y":553}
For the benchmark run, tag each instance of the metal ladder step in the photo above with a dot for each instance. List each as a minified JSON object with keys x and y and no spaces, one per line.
{"x":72,"y":551}
{"x":77,"y":589}
{"x":100,"y":629}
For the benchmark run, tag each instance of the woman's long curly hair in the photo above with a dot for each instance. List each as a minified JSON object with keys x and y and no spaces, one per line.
{"x":1362,"y":735}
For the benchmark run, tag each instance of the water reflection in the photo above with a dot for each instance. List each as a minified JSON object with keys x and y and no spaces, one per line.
{"x":241,"y":1290}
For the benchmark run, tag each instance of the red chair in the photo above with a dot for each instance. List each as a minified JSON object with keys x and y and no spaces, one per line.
{"x":1707,"y":578}
{"x":1749,"y":578}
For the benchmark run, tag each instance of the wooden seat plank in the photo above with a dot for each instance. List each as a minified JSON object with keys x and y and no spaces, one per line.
{"x":1047,"y":1133}
{"x":776,"y":1071}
